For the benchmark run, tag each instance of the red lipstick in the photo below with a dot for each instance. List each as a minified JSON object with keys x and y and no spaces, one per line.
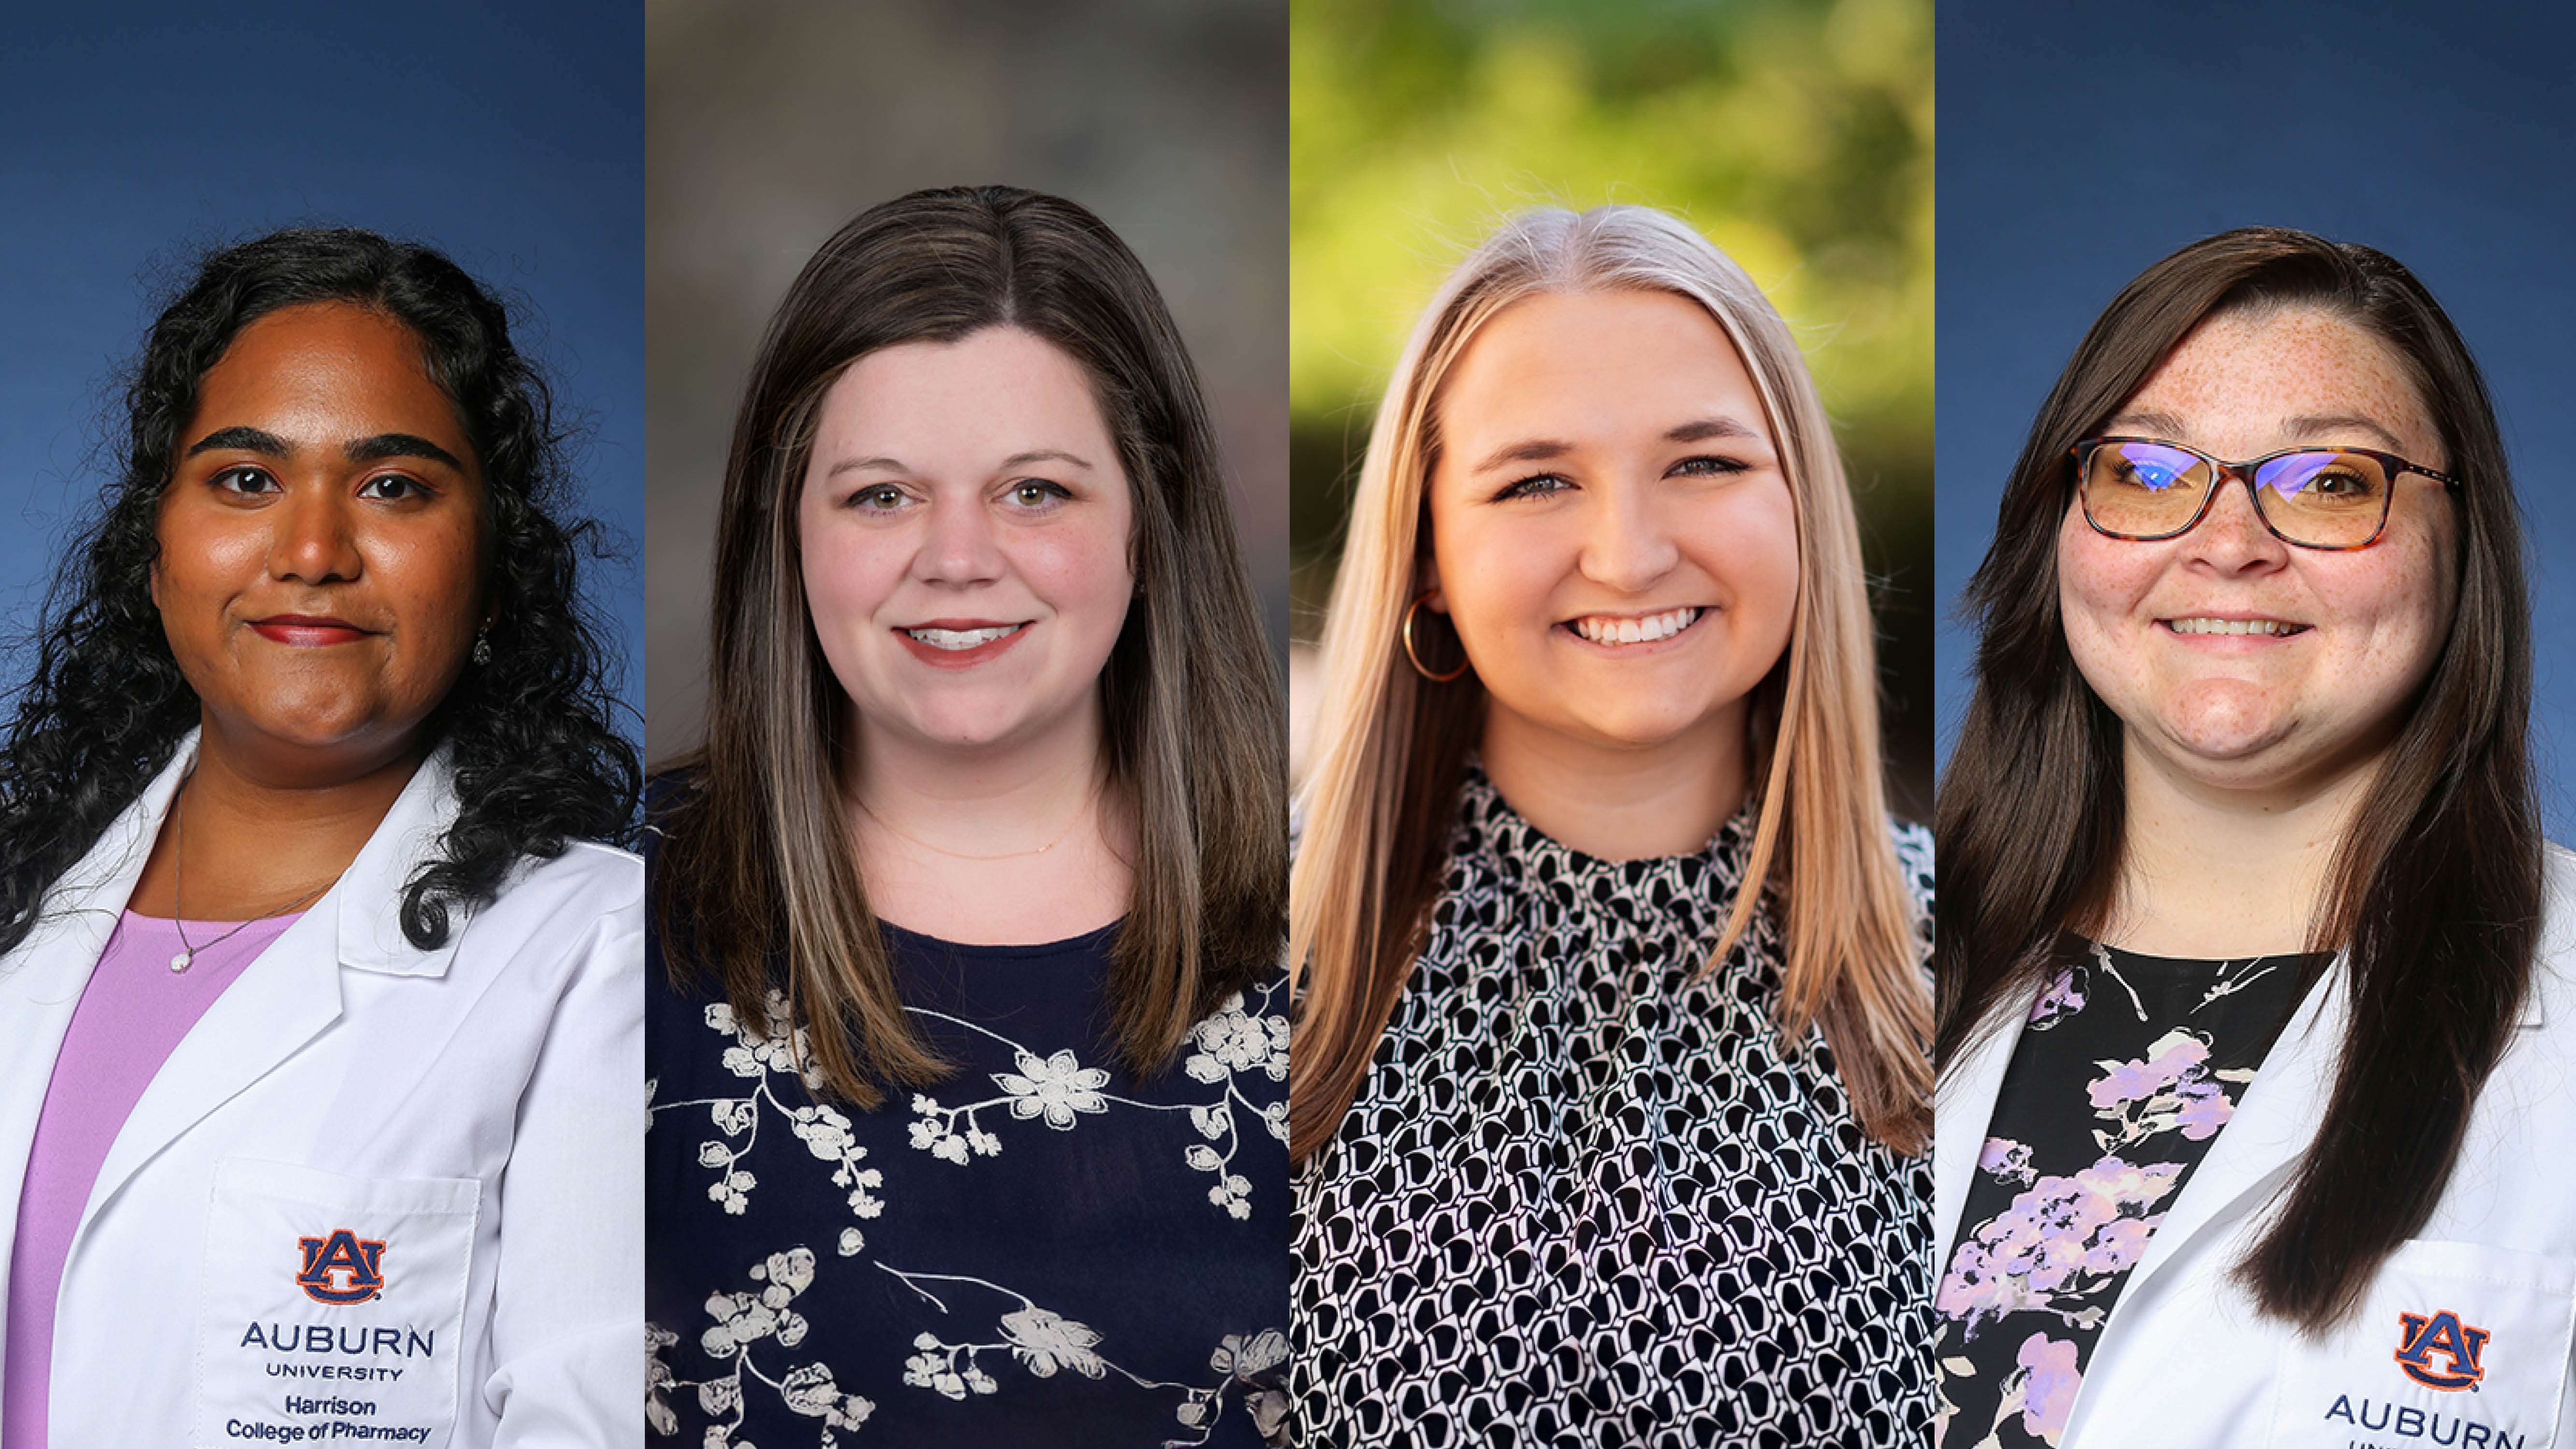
{"x":307,"y":630}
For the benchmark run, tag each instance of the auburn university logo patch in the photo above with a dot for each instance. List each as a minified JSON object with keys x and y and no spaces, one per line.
{"x":346,"y":1268}
{"x":2422,"y":1339}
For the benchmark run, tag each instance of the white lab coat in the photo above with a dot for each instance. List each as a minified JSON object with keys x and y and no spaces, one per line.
{"x":459,"y":1130}
{"x":2184,"y":1362}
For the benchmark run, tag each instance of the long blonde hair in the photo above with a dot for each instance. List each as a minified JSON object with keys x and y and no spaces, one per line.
{"x":1391,"y":745}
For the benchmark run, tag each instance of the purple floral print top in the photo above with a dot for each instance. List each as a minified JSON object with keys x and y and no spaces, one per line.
{"x":2127,"y":1069}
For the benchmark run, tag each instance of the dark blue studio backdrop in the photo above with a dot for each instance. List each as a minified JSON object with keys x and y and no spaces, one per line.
{"x":133,"y":136}
{"x":2079,"y":143}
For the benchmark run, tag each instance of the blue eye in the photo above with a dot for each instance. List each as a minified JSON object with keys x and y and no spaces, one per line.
{"x":1537,"y":485}
{"x":1710,"y":467}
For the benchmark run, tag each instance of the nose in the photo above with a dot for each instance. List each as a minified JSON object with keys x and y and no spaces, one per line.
{"x":958,"y":547}
{"x":2232,"y":535}
{"x":314,"y":542}
{"x":1627,"y":545}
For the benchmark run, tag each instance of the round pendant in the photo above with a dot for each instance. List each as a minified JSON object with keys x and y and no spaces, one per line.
{"x":180,"y":961}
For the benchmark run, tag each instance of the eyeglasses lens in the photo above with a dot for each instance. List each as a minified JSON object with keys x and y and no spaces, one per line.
{"x":2322,"y":497}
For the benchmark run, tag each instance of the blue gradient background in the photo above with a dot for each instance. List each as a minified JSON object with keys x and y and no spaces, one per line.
{"x":133,"y":136}
{"x":2081,"y":143}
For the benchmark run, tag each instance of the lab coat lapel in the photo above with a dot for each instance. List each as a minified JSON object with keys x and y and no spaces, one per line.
{"x":41,"y":981}
{"x":292,"y":992}
{"x":2256,"y":1150}
{"x":1965,"y":1104}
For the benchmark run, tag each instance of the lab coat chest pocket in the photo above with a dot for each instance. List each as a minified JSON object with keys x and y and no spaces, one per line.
{"x":2457,"y":1345}
{"x":332,"y":1307}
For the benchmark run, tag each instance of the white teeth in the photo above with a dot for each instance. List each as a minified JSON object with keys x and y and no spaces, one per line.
{"x":960,"y":638}
{"x":1635,"y":631}
{"x":2234,"y":626}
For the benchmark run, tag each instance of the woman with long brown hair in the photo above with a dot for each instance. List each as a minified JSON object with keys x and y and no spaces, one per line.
{"x":968,"y":1031}
{"x":2254,"y":993}
{"x":1610,"y":1088}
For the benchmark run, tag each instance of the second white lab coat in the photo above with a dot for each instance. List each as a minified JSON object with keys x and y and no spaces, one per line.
{"x":374,"y":1186}
{"x":2185,"y":1362}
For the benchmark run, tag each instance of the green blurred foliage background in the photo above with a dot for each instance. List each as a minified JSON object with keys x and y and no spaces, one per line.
{"x":1797,"y":136}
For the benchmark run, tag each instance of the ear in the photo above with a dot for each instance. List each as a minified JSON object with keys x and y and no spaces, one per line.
{"x":1426,"y":580}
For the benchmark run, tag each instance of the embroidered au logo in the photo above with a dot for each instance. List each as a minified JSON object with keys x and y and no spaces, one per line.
{"x":2421,"y":1340}
{"x":346,"y":1268}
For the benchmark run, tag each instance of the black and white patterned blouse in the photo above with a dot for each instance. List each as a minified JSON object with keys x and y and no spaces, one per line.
{"x":1038,"y":1250}
{"x":1585,"y":1198}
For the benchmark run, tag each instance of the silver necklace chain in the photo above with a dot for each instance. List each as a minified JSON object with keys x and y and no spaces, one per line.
{"x":187,"y":954}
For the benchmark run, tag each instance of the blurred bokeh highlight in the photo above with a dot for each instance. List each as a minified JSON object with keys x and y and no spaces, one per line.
{"x":770,"y":124}
{"x":1797,"y":136}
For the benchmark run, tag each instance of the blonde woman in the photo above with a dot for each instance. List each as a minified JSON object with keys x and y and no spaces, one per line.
{"x":1610,"y":1091}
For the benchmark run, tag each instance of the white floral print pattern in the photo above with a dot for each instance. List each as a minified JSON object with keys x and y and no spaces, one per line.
{"x":1237,"y":1039}
{"x":755,"y":1331}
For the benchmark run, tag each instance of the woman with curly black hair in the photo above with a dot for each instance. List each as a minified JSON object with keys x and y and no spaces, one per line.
{"x":320,"y":987}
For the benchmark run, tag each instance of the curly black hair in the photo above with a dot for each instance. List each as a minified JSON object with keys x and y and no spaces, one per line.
{"x":531,"y":736}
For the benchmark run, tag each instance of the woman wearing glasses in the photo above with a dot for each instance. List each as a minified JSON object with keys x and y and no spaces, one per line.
{"x":1610,"y":1089}
{"x":2255,"y":1015}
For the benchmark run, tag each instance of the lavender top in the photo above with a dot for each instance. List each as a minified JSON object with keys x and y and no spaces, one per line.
{"x":131,"y":1016}
{"x":2127,"y":1069}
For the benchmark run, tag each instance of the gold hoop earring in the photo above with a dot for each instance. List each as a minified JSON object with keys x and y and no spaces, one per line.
{"x":1415,"y":608}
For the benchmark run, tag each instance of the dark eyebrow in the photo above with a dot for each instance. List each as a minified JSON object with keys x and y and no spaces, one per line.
{"x":248,"y":440}
{"x":398,"y":445}
{"x":1707,"y":428}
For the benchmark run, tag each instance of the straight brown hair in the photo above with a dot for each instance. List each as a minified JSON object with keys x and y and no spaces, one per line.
{"x":757,"y":883}
{"x":2436,"y":888}
{"x":1392,"y":746}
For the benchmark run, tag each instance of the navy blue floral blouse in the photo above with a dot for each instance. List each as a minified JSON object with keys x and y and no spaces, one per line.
{"x":1037,"y":1250}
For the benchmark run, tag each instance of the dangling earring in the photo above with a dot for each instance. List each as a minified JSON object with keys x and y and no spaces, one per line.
{"x":1412,"y":609}
{"x":483,"y":643}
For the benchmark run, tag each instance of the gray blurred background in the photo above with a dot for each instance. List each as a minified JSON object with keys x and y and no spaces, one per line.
{"x":768,"y":125}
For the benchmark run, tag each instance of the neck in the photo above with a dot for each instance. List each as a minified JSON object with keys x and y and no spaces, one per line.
{"x":1615,"y":802}
{"x":999,"y":846}
{"x":260,"y":837}
{"x":2215,"y":872}
{"x":988,"y":801}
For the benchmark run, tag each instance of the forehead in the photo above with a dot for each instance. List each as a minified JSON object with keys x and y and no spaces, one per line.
{"x":997,"y":391}
{"x":332,"y":357}
{"x":1572,"y":364}
{"x":2244,"y":383}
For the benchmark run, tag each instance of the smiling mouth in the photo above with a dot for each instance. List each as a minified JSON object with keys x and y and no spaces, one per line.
{"x":955,"y":640}
{"x":2273,"y":628}
{"x":1652,"y":629}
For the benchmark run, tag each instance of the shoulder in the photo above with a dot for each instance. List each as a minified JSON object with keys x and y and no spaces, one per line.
{"x":586,"y":904}
{"x":2553,"y":977}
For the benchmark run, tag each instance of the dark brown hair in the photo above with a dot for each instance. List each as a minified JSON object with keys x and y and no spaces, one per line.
{"x":2435,"y":891}
{"x":756,"y":880}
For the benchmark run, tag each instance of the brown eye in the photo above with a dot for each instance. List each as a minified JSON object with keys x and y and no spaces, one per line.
{"x":244,"y":479}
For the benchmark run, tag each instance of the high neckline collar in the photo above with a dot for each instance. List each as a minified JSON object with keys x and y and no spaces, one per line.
{"x":1512,"y":838}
